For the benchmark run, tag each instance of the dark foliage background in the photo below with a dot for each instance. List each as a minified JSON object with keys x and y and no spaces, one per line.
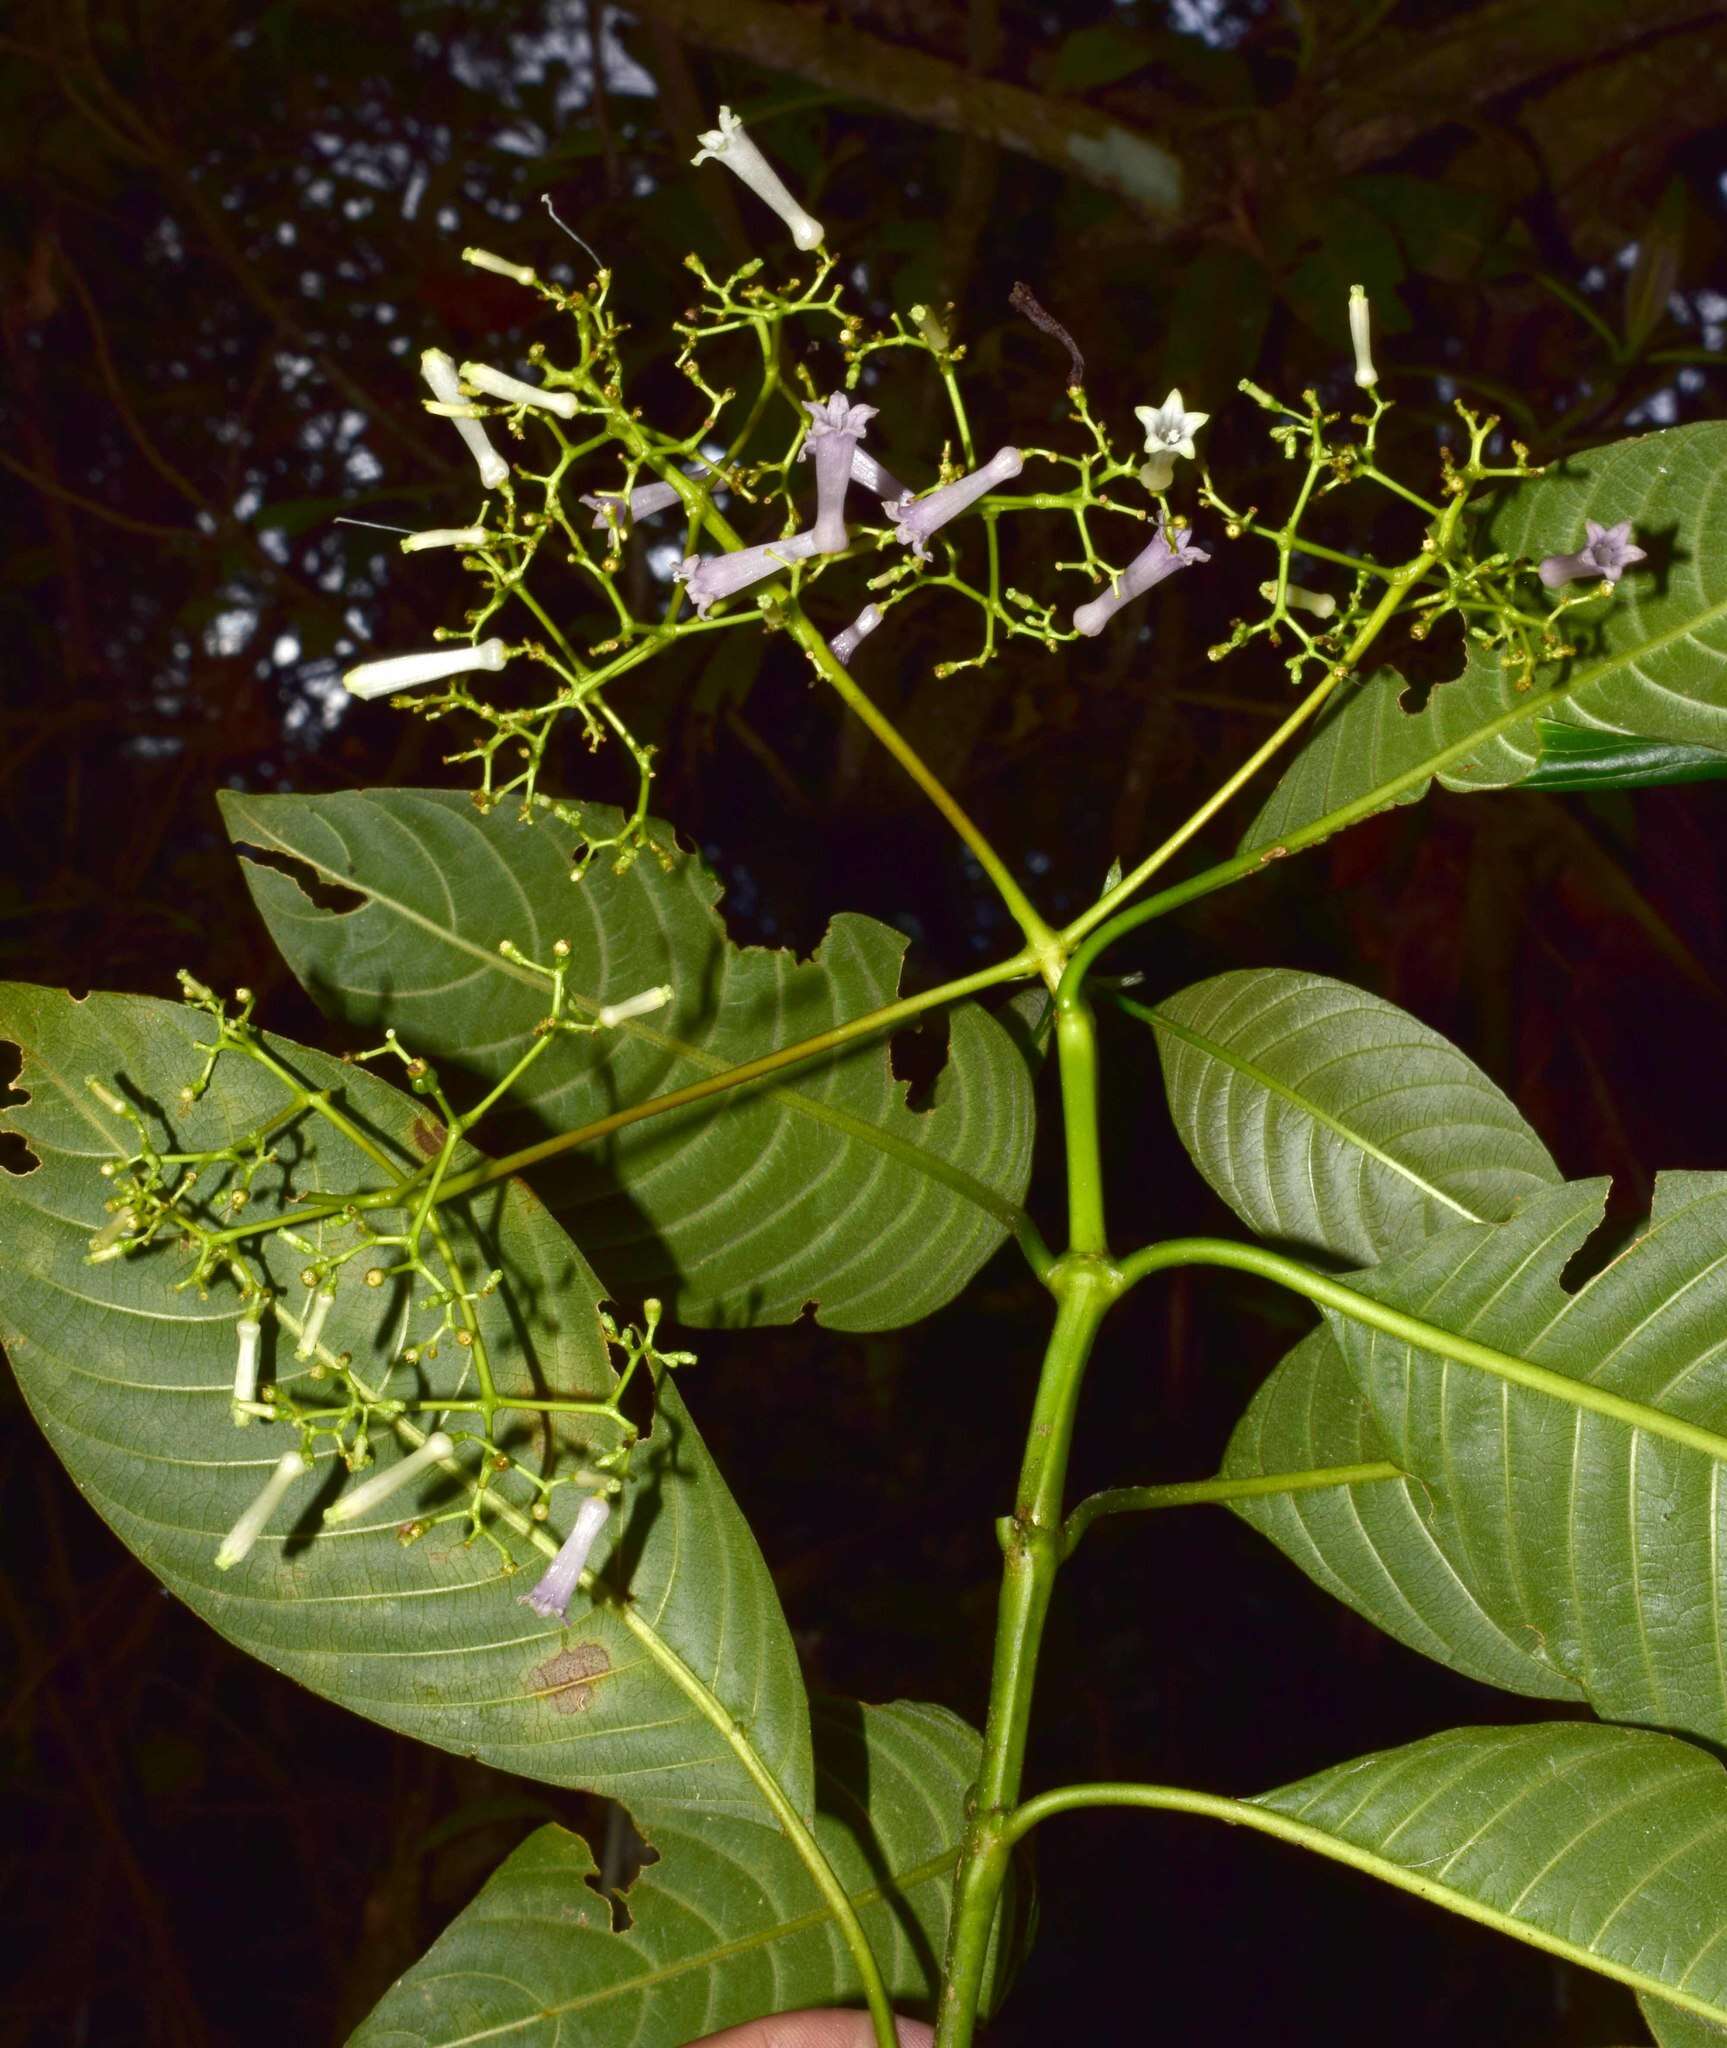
{"x":225,"y":232}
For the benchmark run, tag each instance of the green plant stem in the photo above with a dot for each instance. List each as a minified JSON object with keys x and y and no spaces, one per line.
{"x":1247,"y":1813}
{"x":1076,"y":1045}
{"x":1189,"y":1493}
{"x":792,"y":1824}
{"x":1039,"y":937}
{"x":1032,"y":1554}
{"x":1370,"y":629}
{"x":1325,"y":1292}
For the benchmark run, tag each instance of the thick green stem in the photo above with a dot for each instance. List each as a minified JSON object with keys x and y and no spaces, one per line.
{"x":1032,"y":1547}
{"x":1393,"y":1322}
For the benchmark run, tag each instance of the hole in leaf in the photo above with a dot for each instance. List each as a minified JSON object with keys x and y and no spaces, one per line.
{"x":917,"y":1056}
{"x":15,"y":1155}
{"x":624,"y":1855}
{"x":335,"y":897}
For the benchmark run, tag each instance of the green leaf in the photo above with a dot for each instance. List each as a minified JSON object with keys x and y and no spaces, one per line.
{"x":1573,"y":757}
{"x":1370,"y":1546}
{"x":1675,"y":2029}
{"x":1335,"y":1121}
{"x":1605,"y":1846}
{"x":724,"y":1925}
{"x":1656,"y":666}
{"x":821,"y":1186}
{"x":1602,"y":1539}
{"x":131,"y":1381}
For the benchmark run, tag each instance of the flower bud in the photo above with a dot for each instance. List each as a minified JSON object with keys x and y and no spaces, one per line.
{"x":409,"y":671}
{"x":392,"y":1479}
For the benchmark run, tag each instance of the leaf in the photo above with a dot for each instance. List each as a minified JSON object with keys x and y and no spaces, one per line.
{"x":1335,"y":1121}
{"x":1605,"y":1846}
{"x":131,"y":1382}
{"x":1603,"y":1539}
{"x":1370,"y":1546}
{"x":724,"y":1925}
{"x":822,"y":1186}
{"x":1657,"y":668}
{"x":1571,"y":757}
{"x":1675,"y":2029}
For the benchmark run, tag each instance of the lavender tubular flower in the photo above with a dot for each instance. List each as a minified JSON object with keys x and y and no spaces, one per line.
{"x":552,"y":1596}
{"x":915,"y":519}
{"x":440,"y":373}
{"x":844,"y":643}
{"x":835,"y":431}
{"x":729,"y":145}
{"x":874,"y":479}
{"x":409,"y":671}
{"x":392,"y":1479}
{"x":708,"y":578}
{"x":1150,"y":566}
{"x":482,"y":377}
{"x":1606,"y":554}
{"x":246,"y":1531}
{"x":612,"y":508}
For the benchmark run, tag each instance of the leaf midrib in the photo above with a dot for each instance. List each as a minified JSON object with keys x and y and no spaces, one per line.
{"x":1274,"y":1086}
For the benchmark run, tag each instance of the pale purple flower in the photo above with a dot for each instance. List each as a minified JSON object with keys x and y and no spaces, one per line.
{"x":836,"y":428}
{"x":844,"y":643}
{"x":1160,"y":559}
{"x":357,"y":1500}
{"x":1170,"y":427}
{"x":440,"y":372}
{"x":1607,"y":553}
{"x":557,"y":1586}
{"x":614,"y":509}
{"x":729,"y":145}
{"x":874,"y":480}
{"x":708,"y":578}
{"x":915,"y":519}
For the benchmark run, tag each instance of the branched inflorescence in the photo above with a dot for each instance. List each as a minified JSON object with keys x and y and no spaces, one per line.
{"x":435,"y":1397}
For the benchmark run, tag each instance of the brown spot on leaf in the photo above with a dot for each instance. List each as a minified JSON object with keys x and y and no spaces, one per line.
{"x":428,"y":1137}
{"x":567,"y":1679}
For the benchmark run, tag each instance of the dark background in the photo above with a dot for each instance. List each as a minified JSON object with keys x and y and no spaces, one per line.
{"x":225,"y":234}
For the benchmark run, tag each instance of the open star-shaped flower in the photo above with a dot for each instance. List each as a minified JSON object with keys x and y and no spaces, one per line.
{"x":1170,"y":427}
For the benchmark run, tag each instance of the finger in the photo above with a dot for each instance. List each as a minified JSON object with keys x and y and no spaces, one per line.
{"x":816,"y":2030}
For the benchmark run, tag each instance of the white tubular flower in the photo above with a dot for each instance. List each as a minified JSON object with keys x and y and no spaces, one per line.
{"x":246,"y":1531}
{"x":500,"y":266}
{"x":729,"y":145}
{"x":1361,"y":336}
{"x":313,"y":1327}
{"x":836,"y":428}
{"x":440,"y":373}
{"x":1319,"y":602}
{"x":447,"y":537}
{"x":409,"y":671}
{"x":392,"y":1479}
{"x":708,"y":578}
{"x":845,"y":643}
{"x":1150,"y":566}
{"x":915,"y":519}
{"x":250,"y":1333}
{"x":557,"y":1587}
{"x":1607,"y":553}
{"x":482,"y":377}
{"x":608,"y":1015}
